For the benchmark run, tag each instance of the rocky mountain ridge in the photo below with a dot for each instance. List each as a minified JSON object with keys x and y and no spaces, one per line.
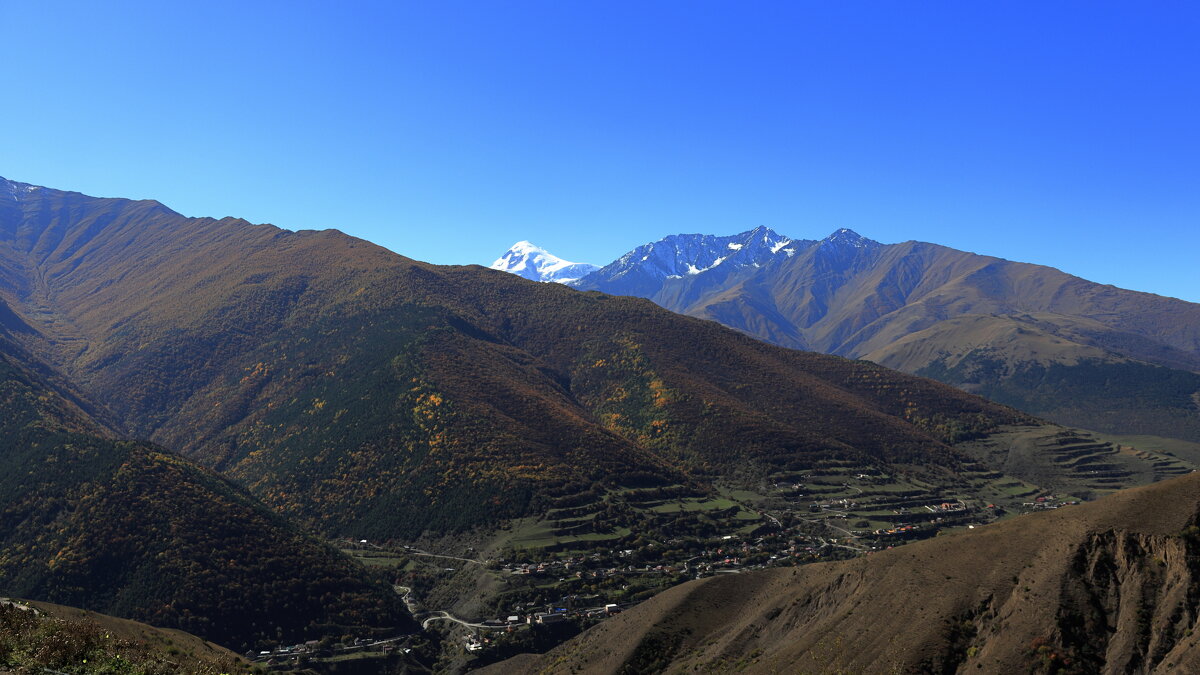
{"x":1007,"y":330}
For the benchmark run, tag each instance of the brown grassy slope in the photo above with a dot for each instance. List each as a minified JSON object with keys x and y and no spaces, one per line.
{"x":59,"y":637}
{"x":1047,"y":365}
{"x":1016,"y":340}
{"x":775,"y":399}
{"x":189,"y":327}
{"x":855,"y":305}
{"x":347,"y":385}
{"x":921,"y":308}
{"x":1024,"y":338}
{"x":1109,"y":586}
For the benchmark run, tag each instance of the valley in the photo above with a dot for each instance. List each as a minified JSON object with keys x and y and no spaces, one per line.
{"x":628,"y":546}
{"x":835,"y":339}
{"x":403,"y":467}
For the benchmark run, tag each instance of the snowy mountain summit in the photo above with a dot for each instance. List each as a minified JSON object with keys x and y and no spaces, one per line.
{"x":529,"y":261}
{"x":684,"y":256}
{"x":14,"y":190}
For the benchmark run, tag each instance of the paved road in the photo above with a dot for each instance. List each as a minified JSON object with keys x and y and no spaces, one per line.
{"x":831,"y":526}
{"x":442,"y":615}
{"x":405,"y":594}
{"x":414,"y":551}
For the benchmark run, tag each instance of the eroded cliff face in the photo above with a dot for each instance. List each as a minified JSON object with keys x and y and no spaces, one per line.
{"x":1130,"y":602}
{"x":1122,"y":602}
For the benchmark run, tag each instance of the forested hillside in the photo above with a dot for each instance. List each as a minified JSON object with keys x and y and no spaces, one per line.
{"x":129,"y":529}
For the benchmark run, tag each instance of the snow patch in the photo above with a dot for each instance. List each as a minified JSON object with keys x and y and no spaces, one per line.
{"x":692,"y":269}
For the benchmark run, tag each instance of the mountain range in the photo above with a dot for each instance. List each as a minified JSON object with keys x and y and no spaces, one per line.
{"x":191,"y":408}
{"x":278,"y":385}
{"x":1051,"y":344}
{"x":362,"y":392}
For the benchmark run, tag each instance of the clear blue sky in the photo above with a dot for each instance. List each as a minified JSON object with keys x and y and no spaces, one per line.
{"x":1063,"y":133}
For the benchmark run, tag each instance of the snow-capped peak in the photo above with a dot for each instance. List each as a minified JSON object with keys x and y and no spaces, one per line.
{"x":533,"y":262}
{"x":848,"y":237}
{"x":14,"y":189}
{"x":682,"y":256}
{"x":525,"y":247}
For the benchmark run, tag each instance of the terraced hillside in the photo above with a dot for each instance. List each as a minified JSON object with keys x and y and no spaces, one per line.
{"x":1106,"y":587}
{"x":1040,"y":468}
{"x":1074,"y":462}
{"x":624,"y":546}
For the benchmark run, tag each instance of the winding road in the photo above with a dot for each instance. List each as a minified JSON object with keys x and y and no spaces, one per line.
{"x":442,"y":615}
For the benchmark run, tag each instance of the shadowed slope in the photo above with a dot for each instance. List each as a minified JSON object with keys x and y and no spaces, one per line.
{"x":127,"y":529}
{"x":1041,"y":364}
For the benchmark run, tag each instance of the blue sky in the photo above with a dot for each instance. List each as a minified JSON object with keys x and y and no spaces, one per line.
{"x":1063,"y":133}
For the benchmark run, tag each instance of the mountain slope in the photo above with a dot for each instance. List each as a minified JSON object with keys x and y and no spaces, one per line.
{"x":537,"y":264}
{"x":40,"y":637}
{"x":909,"y":305}
{"x":127,"y":529}
{"x":369,"y":394}
{"x":1107,"y":587}
{"x":1025,"y":361}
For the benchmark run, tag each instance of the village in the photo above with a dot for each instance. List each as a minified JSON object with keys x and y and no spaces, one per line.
{"x":591,"y":561}
{"x":288,"y":657}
